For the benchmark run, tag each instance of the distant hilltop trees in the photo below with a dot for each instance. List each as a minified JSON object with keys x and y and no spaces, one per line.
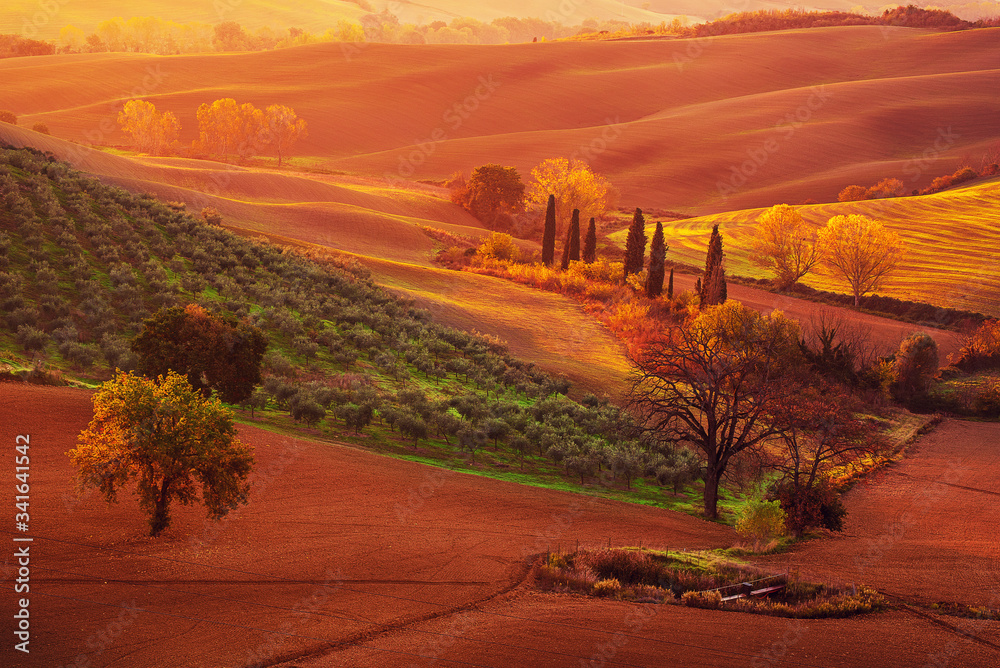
{"x":150,"y":34}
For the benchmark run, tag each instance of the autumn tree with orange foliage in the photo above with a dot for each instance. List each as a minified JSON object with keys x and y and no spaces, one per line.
{"x":224,"y":128}
{"x":284,"y":128}
{"x":822,"y":430}
{"x":168,"y":437}
{"x":717,"y":383}
{"x":981,"y":349}
{"x":151,"y":132}
{"x":574,"y":186}
{"x":860,"y":250}
{"x":784,"y":244}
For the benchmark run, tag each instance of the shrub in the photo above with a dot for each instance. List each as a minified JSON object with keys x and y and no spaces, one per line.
{"x":609,"y":587}
{"x":501,"y":247}
{"x":679,"y":468}
{"x":306,"y":409}
{"x":412,"y":425}
{"x":8,"y":117}
{"x":22,"y":316}
{"x":916,"y":364}
{"x":118,"y":352}
{"x":853,"y":194}
{"x":278,"y":364}
{"x":600,"y":271}
{"x":31,"y":339}
{"x":79,"y":354}
{"x":305,"y":346}
{"x":761,"y":520}
{"x":981,"y":349}
{"x":710,"y":600}
{"x":211,"y":216}
{"x":986,"y":401}
{"x":41,"y":128}
{"x":886,"y":188}
{"x":805,"y":507}
{"x":628,"y":566}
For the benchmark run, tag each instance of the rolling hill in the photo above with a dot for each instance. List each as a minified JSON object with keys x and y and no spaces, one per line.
{"x":702,"y":126}
{"x":950,"y":237}
{"x":864,"y":103}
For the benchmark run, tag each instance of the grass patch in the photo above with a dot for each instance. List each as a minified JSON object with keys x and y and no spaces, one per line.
{"x":701,"y":581}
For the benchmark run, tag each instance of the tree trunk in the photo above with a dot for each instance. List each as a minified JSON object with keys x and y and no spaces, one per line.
{"x":161,"y":517}
{"x":711,"y":494}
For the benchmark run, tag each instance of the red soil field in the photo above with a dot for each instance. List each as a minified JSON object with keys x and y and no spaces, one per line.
{"x":383,"y":542}
{"x":356,"y":559}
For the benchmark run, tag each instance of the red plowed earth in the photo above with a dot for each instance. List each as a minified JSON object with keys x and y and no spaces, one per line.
{"x":344,"y":557}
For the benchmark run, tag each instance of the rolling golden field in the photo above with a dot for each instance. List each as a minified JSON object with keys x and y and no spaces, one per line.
{"x":950,"y":239}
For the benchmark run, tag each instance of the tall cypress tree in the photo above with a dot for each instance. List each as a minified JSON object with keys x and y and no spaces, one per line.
{"x":635,"y":245}
{"x":549,"y":236}
{"x":574,"y":237}
{"x":564,"y":265}
{"x":590,"y":243}
{"x":713,"y":282}
{"x":670,"y":285}
{"x":657,"y":263}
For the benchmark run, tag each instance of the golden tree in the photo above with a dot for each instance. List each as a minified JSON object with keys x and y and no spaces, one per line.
{"x":861,"y":251}
{"x":72,"y":38}
{"x":151,"y":132}
{"x":251,"y":130}
{"x":219,"y":126}
{"x":574,"y":186}
{"x":783,"y":244}
{"x":169,"y":438}
{"x":284,"y":127}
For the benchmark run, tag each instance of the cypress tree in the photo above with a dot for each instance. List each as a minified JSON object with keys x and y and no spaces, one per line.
{"x":713,"y":282}
{"x":670,"y":285}
{"x":635,"y":245}
{"x":549,"y":236}
{"x":564,"y":265}
{"x":657,"y":263}
{"x":590,"y":243}
{"x":574,"y":237}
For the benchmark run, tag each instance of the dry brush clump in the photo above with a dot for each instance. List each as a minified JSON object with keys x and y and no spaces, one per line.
{"x":693,"y":581}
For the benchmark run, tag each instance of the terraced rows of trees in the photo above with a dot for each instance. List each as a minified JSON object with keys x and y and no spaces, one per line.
{"x":84,"y":267}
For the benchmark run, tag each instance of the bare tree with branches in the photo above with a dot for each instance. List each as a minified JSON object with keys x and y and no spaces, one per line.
{"x":821,"y":430}
{"x":717,"y":384}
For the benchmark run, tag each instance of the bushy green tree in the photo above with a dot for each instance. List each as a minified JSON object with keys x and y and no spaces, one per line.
{"x":491,"y":191}
{"x":212,"y":353}
{"x":916,"y":364}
